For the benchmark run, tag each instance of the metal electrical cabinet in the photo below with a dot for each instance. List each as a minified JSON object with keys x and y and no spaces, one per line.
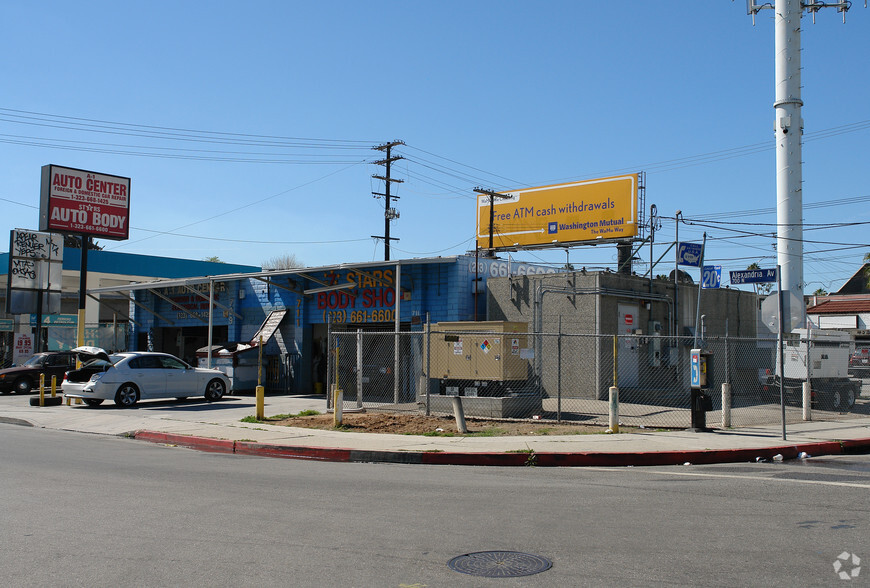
{"x":486,"y":362}
{"x":482,"y":350}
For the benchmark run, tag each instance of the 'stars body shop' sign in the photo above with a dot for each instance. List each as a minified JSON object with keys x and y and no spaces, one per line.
{"x":84,"y":202}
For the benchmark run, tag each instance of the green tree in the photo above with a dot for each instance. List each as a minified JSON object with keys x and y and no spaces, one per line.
{"x":75,"y":242}
{"x":760,"y":289}
{"x":820,"y":292}
{"x":214,"y":259}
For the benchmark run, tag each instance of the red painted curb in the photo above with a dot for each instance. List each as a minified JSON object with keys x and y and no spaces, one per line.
{"x":508,"y":459}
{"x":200,"y":443}
{"x":855,"y":445}
{"x":315,"y":453}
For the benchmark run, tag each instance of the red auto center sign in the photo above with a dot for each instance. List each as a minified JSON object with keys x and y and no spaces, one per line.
{"x":84,"y":202}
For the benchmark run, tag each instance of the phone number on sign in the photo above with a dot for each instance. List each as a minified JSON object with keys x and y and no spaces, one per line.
{"x":359,"y":316}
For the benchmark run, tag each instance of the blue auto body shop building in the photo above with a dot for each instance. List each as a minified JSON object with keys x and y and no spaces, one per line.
{"x":292,"y":311}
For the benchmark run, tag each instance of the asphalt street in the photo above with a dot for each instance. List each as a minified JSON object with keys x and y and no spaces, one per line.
{"x":98,"y":510}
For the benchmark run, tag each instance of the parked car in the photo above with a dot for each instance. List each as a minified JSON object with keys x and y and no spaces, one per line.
{"x":859,"y":363}
{"x":131,"y":376}
{"x":24,"y":378}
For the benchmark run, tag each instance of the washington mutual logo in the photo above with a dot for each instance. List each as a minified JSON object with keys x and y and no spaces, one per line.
{"x":847,"y":566}
{"x":552,"y":228}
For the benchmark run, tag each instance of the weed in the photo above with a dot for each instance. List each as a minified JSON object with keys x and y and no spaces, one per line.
{"x":279,"y":417}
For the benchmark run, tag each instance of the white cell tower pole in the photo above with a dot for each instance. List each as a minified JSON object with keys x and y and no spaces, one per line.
{"x":788,"y":128}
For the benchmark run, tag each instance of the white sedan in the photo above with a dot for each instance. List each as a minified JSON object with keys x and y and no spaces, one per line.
{"x":131,"y":376}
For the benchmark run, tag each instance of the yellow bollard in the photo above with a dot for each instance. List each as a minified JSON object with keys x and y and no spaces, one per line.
{"x":41,"y":389}
{"x":53,"y":386}
{"x":261,"y":393}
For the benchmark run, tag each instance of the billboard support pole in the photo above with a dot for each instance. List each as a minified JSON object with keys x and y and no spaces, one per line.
{"x":677,"y":217}
{"x":700,"y":287}
{"x":83,"y":291}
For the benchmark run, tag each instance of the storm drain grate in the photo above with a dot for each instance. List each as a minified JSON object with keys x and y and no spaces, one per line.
{"x":499,"y":564}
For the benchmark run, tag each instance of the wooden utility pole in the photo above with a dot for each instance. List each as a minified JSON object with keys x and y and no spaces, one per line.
{"x":389,"y":213}
{"x":492,"y":196}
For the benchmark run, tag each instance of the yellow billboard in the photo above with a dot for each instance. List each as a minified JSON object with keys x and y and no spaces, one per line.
{"x":591,"y":210}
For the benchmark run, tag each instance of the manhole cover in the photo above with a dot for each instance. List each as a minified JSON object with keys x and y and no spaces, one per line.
{"x":499,"y":564}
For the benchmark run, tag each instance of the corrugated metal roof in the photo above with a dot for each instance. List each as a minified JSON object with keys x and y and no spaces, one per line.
{"x":840,"y":307}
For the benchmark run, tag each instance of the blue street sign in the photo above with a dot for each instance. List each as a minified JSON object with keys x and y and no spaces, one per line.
{"x":689,"y":254}
{"x":711,"y":277}
{"x":753,"y":276}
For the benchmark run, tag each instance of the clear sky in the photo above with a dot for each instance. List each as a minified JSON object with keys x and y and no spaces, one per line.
{"x":247,"y":128}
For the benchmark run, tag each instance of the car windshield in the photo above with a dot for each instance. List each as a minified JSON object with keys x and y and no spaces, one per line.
{"x":35,"y":361}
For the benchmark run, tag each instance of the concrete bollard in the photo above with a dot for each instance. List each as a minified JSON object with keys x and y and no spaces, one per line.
{"x":459,"y":415}
{"x":614,"y":409}
{"x":807,"y":401}
{"x":337,"y":405}
{"x":726,"y":405}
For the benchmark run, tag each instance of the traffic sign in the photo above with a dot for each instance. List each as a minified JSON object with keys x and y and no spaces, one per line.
{"x":757,"y":276}
{"x":689,"y":254}
{"x":711,"y":277}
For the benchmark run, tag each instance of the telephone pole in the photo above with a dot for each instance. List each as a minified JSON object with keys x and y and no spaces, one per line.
{"x":389,"y":213}
{"x":789,"y":128}
{"x":492,"y":196}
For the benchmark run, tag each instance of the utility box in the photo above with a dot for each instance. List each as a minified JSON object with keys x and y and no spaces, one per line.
{"x":480,"y":350}
{"x":486,"y":362}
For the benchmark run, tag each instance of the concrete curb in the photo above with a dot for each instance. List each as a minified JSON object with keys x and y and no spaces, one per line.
{"x":507,"y":459}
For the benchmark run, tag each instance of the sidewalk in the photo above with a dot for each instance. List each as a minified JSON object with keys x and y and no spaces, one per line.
{"x":217,"y":427}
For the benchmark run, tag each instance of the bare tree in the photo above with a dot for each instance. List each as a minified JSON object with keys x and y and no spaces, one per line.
{"x":285,"y":261}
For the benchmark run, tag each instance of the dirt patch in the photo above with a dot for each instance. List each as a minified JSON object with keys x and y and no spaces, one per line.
{"x":411,"y":424}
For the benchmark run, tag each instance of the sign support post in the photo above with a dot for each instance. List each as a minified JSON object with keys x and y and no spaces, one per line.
{"x":83,"y":292}
{"x":779,"y":338}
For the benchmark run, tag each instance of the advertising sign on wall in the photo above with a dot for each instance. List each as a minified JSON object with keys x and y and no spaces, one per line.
{"x":84,"y":202}
{"x":369,"y":297}
{"x":552,"y":216}
{"x":35,"y":265}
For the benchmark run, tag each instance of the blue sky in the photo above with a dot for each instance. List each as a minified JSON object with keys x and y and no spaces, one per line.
{"x":246,"y":129}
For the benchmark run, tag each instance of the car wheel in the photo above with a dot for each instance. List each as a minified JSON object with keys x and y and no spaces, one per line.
{"x":215,"y":390}
{"x":93,"y":401}
{"x":127,"y":395}
{"x":23,"y":385}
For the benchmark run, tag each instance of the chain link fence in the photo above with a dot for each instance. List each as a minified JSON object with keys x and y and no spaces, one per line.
{"x":567,"y":377}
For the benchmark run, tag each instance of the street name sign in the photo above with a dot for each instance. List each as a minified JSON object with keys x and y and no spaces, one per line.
{"x":757,"y":276}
